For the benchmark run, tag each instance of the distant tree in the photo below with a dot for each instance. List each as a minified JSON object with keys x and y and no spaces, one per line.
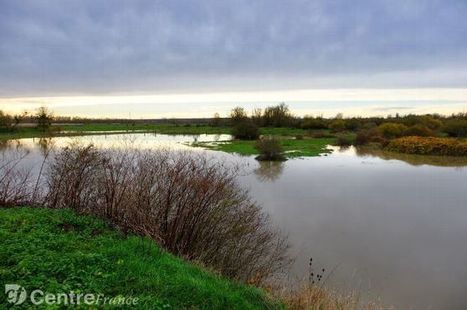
{"x":44,"y":119}
{"x":257,"y":116}
{"x":277,"y":116}
{"x":6,"y":121}
{"x":237,"y":115}
{"x":337,"y":125}
{"x":216,"y":120}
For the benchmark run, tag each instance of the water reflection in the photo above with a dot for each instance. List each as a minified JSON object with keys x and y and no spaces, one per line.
{"x":414,"y":160}
{"x":269,"y":170}
{"x":394,"y":224}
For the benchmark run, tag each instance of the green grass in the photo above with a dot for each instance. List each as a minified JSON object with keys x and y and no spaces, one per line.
{"x":94,"y":128}
{"x":59,"y":251}
{"x":292,"y":147}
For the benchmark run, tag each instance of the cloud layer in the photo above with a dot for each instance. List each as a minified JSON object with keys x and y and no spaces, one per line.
{"x":94,"y":46}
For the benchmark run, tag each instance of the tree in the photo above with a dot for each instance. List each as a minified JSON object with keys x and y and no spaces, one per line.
{"x":6,"y":121}
{"x":44,"y":119}
{"x":257,"y":116}
{"x":237,"y":115}
{"x":277,"y":116}
{"x":216,"y":120}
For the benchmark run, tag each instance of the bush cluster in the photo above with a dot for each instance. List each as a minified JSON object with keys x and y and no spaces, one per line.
{"x":429,"y":146}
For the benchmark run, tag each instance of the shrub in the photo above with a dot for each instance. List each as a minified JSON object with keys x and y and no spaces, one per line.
{"x":313,"y":123}
{"x":418,"y":130}
{"x":429,"y":146}
{"x":269,"y":149}
{"x":337,"y":125}
{"x":245,"y":130}
{"x":391,"y":130}
{"x":455,"y":128}
{"x":345,"y":140}
{"x":370,"y":136}
{"x":15,"y":184}
{"x":191,"y":206}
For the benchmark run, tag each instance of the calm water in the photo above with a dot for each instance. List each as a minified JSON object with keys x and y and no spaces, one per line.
{"x":390,"y":226}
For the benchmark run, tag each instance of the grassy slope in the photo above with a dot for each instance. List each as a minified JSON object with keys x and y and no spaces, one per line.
{"x":59,"y":251}
{"x":292,"y":147}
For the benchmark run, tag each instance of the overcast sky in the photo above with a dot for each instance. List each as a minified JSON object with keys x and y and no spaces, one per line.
{"x":94,"y":47}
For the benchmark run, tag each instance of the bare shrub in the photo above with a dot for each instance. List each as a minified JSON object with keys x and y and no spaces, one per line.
{"x":190,"y":205}
{"x":72,"y":178}
{"x":15,"y":183}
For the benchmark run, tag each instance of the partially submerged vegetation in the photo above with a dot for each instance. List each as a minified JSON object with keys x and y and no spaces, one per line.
{"x":269,"y":148}
{"x":429,"y":146}
{"x":292,"y":147}
{"x":275,"y":121}
{"x":148,"y":203}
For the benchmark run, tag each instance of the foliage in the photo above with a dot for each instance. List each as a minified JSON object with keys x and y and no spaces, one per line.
{"x":6,"y":121}
{"x":277,"y":116}
{"x":269,"y":148}
{"x":310,"y":122}
{"x":238,"y":115}
{"x":44,"y":119}
{"x":245,"y":130}
{"x":391,"y":130}
{"x":455,"y":127}
{"x":191,"y":206}
{"x":366,"y":136}
{"x":59,"y":251}
{"x":337,"y":125}
{"x":429,"y":146}
{"x":345,"y":139}
{"x":418,"y":130}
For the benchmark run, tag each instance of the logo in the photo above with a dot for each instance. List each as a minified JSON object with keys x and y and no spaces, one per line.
{"x":16,"y":294}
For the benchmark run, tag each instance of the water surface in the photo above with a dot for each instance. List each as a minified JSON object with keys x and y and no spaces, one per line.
{"x":389,"y":225}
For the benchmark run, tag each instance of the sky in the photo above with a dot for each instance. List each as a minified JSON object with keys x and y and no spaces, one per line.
{"x":174,"y":58}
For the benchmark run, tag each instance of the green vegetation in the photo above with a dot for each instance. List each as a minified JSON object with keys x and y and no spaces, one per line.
{"x":429,"y":146}
{"x":292,"y":147}
{"x":276,"y":120}
{"x":59,"y":251}
{"x":270,"y":148}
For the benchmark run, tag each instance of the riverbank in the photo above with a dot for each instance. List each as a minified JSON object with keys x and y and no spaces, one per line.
{"x":59,"y":251}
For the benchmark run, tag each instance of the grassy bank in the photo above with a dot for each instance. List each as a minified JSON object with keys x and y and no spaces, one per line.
{"x":59,"y":251}
{"x":292,"y":147}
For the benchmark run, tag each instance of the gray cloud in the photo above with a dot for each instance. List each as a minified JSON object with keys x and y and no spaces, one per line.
{"x":88,"y":46}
